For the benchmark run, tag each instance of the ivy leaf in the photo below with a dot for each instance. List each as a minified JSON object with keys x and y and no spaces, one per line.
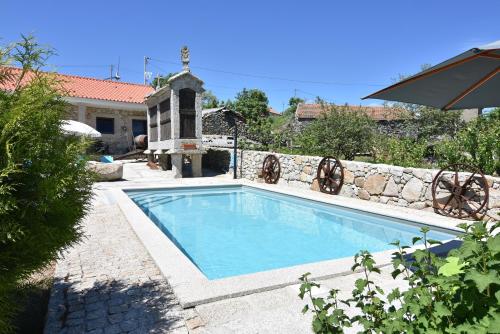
{"x":452,"y":267}
{"x":442,"y":310}
{"x":434,"y":242}
{"x":482,"y":280}
{"x":494,"y":243}
{"x":305,"y":309}
{"x":360,"y":284}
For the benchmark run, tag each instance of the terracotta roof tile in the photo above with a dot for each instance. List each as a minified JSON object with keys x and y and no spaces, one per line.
{"x":312,"y":111}
{"x":272,"y":111}
{"x":90,"y":88}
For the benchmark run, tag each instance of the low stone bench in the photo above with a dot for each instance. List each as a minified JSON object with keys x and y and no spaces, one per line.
{"x":106,"y":171}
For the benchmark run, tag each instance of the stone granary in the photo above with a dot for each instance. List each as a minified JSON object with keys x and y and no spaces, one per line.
{"x":175,"y":120}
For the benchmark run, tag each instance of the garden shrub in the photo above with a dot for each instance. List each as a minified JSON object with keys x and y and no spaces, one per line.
{"x":477,"y":144}
{"x":456,"y":294}
{"x":406,"y":152}
{"x":45,"y":189}
{"x":339,"y":132}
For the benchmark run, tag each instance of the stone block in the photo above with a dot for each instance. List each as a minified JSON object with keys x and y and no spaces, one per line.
{"x":384,"y":199}
{"x":307,"y":170}
{"x":419,"y":173}
{"x":391,"y":189}
{"x":106,"y":171}
{"x":494,"y":201}
{"x":348,"y":176}
{"x":315,"y":185}
{"x":375,"y":184}
{"x":363,"y":194}
{"x":417,"y":205}
{"x":412,"y":190}
{"x":359,"y":182}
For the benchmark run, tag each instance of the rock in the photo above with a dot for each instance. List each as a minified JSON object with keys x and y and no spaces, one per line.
{"x":412,"y":189}
{"x":428,"y":193}
{"x":304,"y":177}
{"x":391,"y":189}
{"x":384,"y":199}
{"x":395,"y":170}
{"x":315,"y":185}
{"x":106,"y":171}
{"x":494,"y":201}
{"x":375,"y":184}
{"x":348,"y":176}
{"x":428,"y":177}
{"x":363,"y":194}
{"x":307,"y":170}
{"x":359,"y":181}
{"x":494,"y":215}
{"x":490,"y":180}
{"x":297,"y":159}
{"x":347,"y":191}
{"x":419,"y":173}
{"x":418,"y":205}
{"x":402,"y":202}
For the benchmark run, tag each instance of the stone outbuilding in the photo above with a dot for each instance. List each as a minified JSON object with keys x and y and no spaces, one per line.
{"x":175,"y":121}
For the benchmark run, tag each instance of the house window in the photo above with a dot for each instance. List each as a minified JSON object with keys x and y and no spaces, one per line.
{"x":139,"y":127}
{"x":105,"y":125}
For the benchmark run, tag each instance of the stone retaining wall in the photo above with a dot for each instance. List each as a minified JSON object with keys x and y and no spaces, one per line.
{"x":407,"y":187}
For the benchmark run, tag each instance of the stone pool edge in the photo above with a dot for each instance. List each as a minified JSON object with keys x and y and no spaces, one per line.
{"x":192,"y":288}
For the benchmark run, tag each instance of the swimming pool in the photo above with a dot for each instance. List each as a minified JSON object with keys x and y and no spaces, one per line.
{"x":235,"y":230}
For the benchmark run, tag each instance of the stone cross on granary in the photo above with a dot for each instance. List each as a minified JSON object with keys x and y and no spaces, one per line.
{"x":185,"y":58}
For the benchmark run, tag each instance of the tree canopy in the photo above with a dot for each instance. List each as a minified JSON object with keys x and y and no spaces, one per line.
{"x":339,"y":132}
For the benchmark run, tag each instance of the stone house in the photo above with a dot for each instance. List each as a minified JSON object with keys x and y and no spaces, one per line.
{"x":115,"y":109}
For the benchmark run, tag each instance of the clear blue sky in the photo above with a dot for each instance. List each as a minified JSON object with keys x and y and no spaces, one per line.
{"x":354,"y":47}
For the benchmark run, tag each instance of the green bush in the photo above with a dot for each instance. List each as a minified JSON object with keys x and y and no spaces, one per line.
{"x":406,"y":152}
{"x":459,"y":294}
{"x":477,"y":144}
{"x":339,"y":132}
{"x":45,"y":189}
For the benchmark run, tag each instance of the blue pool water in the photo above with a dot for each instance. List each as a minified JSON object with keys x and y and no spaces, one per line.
{"x":228,"y":231}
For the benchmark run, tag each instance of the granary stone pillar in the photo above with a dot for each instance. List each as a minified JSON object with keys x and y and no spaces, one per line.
{"x":196,"y":165}
{"x":175,"y":118}
{"x":176,"y":165}
{"x":199,"y":115}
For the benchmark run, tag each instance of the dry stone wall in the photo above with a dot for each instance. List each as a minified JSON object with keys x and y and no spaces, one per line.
{"x":406,"y":187}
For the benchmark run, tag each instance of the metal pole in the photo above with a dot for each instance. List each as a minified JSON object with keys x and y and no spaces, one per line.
{"x":235,"y":150}
{"x":145,"y":69}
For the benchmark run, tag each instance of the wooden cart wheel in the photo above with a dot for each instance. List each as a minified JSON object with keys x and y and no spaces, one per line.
{"x":460,"y":197}
{"x":330,"y":175}
{"x":271,"y":169}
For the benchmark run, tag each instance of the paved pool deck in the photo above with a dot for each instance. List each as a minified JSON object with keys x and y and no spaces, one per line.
{"x":108,"y":283}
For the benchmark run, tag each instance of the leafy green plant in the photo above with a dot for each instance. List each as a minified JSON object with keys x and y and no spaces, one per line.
{"x":339,"y":132}
{"x":477,"y":144}
{"x":406,"y":152}
{"x":45,"y":189}
{"x":458,"y":294}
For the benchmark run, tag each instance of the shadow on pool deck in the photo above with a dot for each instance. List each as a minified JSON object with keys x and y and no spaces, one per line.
{"x":114,"y":307}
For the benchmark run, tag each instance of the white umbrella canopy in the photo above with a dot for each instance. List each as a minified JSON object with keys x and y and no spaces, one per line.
{"x":79,"y":129}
